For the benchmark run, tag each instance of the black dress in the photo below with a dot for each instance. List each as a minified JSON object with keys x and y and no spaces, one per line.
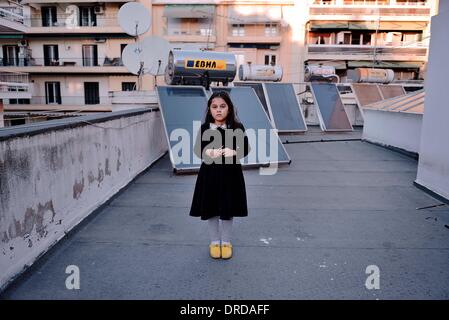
{"x":220,"y":187}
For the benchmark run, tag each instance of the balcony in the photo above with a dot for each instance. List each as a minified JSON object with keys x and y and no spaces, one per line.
{"x":12,"y":20}
{"x":356,"y":10}
{"x":190,"y":35}
{"x":371,"y":2}
{"x":14,"y":86}
{"x":366,"y":52}
{"x":67,"y":24}
{"x":133,"y":97}
{"x":253,"y":35}
{"x":65,"y":65}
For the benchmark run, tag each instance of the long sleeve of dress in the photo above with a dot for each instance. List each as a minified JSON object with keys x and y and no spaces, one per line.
{"x":199,"y":146}
{"x":246,"y":146}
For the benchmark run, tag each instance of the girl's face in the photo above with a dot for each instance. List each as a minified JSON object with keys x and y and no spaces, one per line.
{"x":219,"y":109}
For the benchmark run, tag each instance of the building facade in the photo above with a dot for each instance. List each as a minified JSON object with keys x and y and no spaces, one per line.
{"x":71,"y":50}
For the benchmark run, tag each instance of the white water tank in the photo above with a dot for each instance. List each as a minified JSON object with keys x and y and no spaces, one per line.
{"x":370,"y":75}
{"x":320,"y":73}
{"x":254,"y":72}
{"x":194,"y":67}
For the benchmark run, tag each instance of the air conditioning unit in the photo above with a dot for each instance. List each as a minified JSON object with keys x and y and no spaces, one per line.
{"x":98,"y":9}
{"x":100,"y":40}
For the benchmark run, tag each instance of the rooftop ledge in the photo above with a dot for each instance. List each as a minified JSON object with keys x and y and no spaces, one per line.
{"x":55,"y":174}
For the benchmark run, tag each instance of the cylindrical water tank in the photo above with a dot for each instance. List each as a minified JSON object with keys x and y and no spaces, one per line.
{"x":320,"y":73}
{"x":258,"y":72}
{"x":320,"y":70}
{"x":373,"y":75}
{"x":190,"y":67}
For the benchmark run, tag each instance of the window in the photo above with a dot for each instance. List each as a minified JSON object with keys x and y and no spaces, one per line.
{"x":16,"y":122}
{"x":122,"y":47}
{"x":128,"y":86}
{"x":91,"y":93}
{"x":355,"y":39}
{"x":270,"y":59}
{"x":271,"y":29}
{"x":393,"y":38}
{"x":10,"y":55}
{"x":19,"y":101}
{"x":174,"y":26}
{"x":191,"y":26}
{"x":52,"y":93}
{"x":347,"y":38}
{"x":344,"y":37}
{"x":51,"y":55}
{"x":88,"y":18}
{"x":319,"y":38}
{"x":90,"y":55}
{"x":205,"y":26}
{"x":49,"y":18}
{"x":410,"y":38}
{"x":238,"y":30}
{"x":366,"y":39}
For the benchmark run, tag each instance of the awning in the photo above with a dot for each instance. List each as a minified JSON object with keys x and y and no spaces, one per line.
{"x":317,"y":25}
{"x":369,"y":25}
{"x":387,"y":25}
{"x":249,"y":14}
{"x":385,"y":64}
{"x":11,"y":36}
{"x":338,"y":65}
{"x":189,"y":11}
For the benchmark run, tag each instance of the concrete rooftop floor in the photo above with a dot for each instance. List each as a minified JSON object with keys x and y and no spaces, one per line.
{"x":312,"y":230}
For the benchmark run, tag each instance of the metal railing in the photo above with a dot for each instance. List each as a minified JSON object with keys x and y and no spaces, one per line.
{"x":71,"y":100}
{"x":370,"y":3}
{"x":370,"y":10}
{"x":13,"y":81}
{"x":73,"y":21}
{"x":189,"y":32}
{"x":365,"y":50}
{"x":14,"y":14}
{"x":62,"y":62}
{"x":236,"y":32}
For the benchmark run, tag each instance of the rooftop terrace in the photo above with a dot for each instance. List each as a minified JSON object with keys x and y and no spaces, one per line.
{"x":312,"y":230}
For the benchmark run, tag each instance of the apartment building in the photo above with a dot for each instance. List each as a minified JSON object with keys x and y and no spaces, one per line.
{"x":71,"y":49}
{"x":72,"y":53}
{"x":13,"y":85}
{"x":391,"y":34}
{"x":254,"y":31}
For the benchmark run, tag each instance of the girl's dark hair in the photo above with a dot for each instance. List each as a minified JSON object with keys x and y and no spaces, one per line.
{"x":232,"y":121}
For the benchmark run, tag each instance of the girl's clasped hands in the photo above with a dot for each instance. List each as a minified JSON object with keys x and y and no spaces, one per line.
{"x":214,"y":153}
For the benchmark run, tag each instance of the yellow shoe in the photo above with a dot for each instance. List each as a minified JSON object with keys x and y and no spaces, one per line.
{"x":214,"y":250}
{"x":226,"y":251}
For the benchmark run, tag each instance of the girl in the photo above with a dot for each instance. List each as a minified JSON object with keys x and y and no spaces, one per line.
{"x":220,"y":187}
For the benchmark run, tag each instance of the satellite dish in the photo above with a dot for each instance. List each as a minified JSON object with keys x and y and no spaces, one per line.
{"x":156,"y":50}
{"x":134,"y":18}
{"x":136,"y":59}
